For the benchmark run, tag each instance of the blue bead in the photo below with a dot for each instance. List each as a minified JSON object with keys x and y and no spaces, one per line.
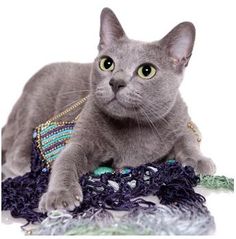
{"x":170,"y":161}
{"x":35,"y":134}
{"x":126,"y":171}
{"x":44,"y":170}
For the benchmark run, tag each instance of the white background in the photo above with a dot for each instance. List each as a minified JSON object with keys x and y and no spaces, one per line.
{"x":37,"y":32}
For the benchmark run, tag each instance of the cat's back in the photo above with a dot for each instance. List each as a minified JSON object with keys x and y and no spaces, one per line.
{"x":55,"y":76}
{"x":57,"y":85}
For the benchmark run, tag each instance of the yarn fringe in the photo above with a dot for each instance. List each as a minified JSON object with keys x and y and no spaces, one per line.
{"x":161,"y":220}
{"x":217,"y":182}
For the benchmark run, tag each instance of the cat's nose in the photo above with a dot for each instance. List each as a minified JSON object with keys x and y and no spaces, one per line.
{"x":117,"y":84}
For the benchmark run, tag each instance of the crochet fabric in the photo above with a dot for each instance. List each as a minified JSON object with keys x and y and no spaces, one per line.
{"x":180,"y":206}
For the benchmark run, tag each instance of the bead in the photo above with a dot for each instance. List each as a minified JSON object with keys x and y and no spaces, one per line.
{"x":170,"y":161}
{"x":35,"y":134}
{"x":190,"y":125}
{"x":101,"y":170}
{"x":125,"y":170}
{"x":45,"y":170}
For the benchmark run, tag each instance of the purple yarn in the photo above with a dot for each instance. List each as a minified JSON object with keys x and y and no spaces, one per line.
{"x":169,"y":181}
{"x":21,"y":194}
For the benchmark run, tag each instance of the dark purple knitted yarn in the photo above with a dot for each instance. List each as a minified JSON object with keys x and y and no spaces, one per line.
{"x":169,"y":181}
{"x":21,"y":194}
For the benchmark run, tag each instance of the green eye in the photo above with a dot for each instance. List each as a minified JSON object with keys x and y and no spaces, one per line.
{"x":146,"y":71}
{"x":106,"y":64}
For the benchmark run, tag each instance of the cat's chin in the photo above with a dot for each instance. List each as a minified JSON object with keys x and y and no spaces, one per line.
{"x":120,"y":104}
{"x":116,"y":109}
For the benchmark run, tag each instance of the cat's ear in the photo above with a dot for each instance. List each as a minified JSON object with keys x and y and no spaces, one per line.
{"x":110,"y":29}
{"x":179,"y":42}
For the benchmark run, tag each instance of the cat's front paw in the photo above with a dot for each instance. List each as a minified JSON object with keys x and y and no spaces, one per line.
{"x":205,"y":166}
{"x":202,"y":165}
{"x":64,"y":198}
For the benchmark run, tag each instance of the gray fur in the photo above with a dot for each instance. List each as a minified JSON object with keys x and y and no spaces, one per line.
{"x":145,"y":120}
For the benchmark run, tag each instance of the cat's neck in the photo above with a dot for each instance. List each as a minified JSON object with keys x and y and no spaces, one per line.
{"x":174,"y":115}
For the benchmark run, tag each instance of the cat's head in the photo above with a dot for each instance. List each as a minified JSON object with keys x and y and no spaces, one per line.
{"x":134,"y":79}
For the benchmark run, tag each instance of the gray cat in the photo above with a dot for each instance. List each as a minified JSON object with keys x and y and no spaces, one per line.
{"x":134,"y":113}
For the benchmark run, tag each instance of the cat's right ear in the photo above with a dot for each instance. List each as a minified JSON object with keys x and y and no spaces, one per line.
{"x":110,"y":30}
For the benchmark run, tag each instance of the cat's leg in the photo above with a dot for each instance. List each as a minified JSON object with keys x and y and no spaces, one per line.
{"x":18,"y":151}
{"x":187,"y":151}
{"x":17,"y":140}
{"x":64,"y":190}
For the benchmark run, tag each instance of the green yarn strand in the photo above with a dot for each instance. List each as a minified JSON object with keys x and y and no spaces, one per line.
{"x":217,"y":182}
{"x":112,"y":230}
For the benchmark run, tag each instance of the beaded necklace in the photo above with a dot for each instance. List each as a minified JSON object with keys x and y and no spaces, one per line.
{"x":52,"y":136}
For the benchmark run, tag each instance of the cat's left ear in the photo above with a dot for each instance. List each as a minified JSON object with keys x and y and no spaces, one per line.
{"x":110,"y":30}
{"x":179,"y":42}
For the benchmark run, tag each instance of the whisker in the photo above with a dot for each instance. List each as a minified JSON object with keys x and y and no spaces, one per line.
{"x":152,"y":125}
{"x":163,"y":121}
{"x":160,"y":120}
{"x":138,"y":123}
{"x":154,"y":111}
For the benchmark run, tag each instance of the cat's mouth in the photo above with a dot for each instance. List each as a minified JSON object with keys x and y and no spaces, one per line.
{"x":115,"y":100}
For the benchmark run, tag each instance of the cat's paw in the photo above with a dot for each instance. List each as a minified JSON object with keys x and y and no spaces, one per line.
{"x":65,"y":198}
{"x":205,"y":166}
{"x":202,"y":165}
